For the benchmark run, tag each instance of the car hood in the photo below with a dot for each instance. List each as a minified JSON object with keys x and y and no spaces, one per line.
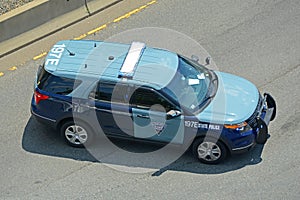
{"x":235,"y":101}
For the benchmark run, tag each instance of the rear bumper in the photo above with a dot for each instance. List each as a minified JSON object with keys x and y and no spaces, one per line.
{"x":44,"y":120}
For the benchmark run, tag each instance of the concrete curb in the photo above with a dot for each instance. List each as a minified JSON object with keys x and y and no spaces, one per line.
{"x":39,"y":17}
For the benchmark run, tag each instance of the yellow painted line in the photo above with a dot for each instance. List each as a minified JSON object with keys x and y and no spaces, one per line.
{"x":12,"y":68}
{"x":127,"y":15}
{"x":80,"y":37}
{"x":143,"y":7}
{"x":134,"y":11}
{"x":151,"y":2}
{"x":97,"y":29}
{"x":39,"y":56}
{"x":1,"y":74}
{"x":118,"y":19}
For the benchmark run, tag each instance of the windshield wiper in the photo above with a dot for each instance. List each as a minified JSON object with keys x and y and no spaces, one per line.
{"x":212,"y":88}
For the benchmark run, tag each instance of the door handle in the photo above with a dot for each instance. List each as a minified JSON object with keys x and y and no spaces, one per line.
{"x":143,"y":116}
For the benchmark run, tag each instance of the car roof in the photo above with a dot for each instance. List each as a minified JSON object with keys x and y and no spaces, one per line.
{"x":98,"y":59}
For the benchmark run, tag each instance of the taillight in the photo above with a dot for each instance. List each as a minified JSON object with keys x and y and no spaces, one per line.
{"x":38,"y":97}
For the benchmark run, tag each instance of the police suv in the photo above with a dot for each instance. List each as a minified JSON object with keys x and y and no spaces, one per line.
{"x":131,"y":91}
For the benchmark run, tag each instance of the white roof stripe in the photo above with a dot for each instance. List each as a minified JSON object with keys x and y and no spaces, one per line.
{"x":132,"y":58}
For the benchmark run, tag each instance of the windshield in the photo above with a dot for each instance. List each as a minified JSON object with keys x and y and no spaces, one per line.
{"x":192,"y":85}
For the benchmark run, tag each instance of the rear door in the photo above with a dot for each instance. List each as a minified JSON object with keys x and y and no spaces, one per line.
{"x":112,"y":111}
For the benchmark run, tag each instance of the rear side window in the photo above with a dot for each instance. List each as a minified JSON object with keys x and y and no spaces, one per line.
{"x":111,"y":92}
{"x":104,"y":92}
{"x":55,"y":84}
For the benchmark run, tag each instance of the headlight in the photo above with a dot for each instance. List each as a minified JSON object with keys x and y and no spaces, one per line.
{"x":238,"y":127}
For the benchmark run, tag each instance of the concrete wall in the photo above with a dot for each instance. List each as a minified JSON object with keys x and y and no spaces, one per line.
{"x":40,"y":12}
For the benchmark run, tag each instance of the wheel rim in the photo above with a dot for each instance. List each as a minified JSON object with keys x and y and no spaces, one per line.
{"x":209,"y":151}
{"x":76,"y":134}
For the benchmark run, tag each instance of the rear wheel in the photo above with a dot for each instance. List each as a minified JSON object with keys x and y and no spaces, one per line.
{"x":76,"y":134}
{"x":209,"y":150}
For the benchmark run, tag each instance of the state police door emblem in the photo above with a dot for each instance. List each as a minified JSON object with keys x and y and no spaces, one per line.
{"x":158,"y":127}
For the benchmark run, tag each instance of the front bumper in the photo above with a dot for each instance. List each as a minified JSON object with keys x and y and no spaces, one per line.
{"x":265,"y":113}
{"x":243,"y":149}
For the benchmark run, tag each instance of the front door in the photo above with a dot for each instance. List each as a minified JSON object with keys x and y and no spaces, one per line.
{"x":150,"y":118}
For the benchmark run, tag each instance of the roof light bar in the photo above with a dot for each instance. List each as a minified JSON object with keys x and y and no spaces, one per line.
{"x":133,"y":56}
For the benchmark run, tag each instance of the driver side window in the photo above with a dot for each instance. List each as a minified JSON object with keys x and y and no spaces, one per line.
{"x":145,"y":98}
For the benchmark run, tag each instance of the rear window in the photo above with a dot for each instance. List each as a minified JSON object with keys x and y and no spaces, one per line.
{"x":56,"y":84}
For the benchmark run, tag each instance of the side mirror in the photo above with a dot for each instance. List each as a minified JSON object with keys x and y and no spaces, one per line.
{"x":173,"y":113}
{"x":207,"y":60}
{"x":195,"y":58}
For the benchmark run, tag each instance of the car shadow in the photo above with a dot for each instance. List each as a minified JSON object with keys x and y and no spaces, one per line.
{"x":40,"y":139}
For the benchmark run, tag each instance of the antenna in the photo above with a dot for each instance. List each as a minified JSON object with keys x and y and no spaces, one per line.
{"x":207,"y":60}
{"x":70,"y":53}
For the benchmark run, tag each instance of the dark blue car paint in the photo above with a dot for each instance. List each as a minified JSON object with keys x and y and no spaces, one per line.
{"x":59,"y":108}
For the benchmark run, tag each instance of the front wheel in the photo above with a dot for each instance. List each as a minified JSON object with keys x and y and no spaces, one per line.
{"x":76,"y":134}
{"x":209,"y":150}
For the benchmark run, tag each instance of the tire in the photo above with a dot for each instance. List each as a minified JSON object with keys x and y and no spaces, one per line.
{"x":76,"y":134}
{"x":209,"y":150}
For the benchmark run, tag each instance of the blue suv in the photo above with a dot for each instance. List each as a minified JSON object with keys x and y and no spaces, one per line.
{"x":85,"y":88}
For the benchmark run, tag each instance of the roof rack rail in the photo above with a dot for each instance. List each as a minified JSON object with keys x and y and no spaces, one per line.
{"x":133,"y":56}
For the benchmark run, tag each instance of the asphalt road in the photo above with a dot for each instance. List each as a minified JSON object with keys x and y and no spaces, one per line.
{"x":258,"y":40}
